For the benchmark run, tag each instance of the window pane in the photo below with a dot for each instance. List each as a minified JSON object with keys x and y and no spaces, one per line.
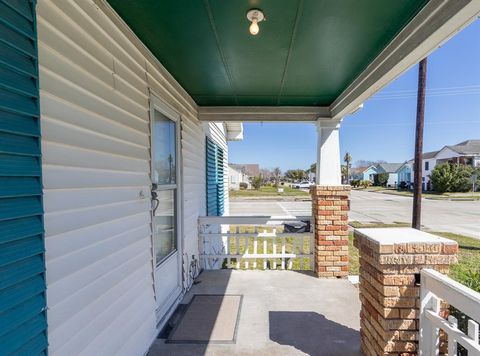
{"x":164,"y":145}
{"x":165,"y":236}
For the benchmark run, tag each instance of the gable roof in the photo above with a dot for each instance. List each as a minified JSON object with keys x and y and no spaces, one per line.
{"x":360,"y":169}
{"x":467,"y":147}
{"x":428,"y":155}
{"x":390,"y":167}
{"x":374,"y":167}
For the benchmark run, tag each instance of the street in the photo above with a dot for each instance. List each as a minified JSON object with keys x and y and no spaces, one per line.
{"x":461,"y":217}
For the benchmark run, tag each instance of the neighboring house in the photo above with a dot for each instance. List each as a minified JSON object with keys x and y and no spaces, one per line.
{"x":235,"y":177}
{"x":368,"y":173}
{"x":392,"y":170}
{"x":466,"y":152}
{"x":428,"y":163}
{"x":405,"y":174}
{"x":365,"y":173}
{"x":250,"y":169}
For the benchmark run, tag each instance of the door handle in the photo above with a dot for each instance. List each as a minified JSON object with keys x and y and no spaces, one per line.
{"x":154,"y":195}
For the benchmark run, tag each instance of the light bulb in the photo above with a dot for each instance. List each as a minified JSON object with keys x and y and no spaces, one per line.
{"x":254,"y":27}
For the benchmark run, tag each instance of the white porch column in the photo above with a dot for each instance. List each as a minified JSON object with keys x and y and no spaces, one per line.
{"x":328,"y":153}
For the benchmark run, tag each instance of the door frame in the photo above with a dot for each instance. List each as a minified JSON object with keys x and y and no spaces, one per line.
{"x":164,"y":108}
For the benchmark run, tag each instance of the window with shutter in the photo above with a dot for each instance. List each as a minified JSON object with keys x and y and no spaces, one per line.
{"x":23,"y":323}
{"x":215,"y":179}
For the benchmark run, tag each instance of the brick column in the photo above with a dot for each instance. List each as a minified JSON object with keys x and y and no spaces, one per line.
{"x":390,"y":263}
{"x":330,"y":211}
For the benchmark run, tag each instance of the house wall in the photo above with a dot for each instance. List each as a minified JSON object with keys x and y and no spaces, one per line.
{"x":432,"y":162}
{"x":405,"y":174}
{"x":368,"y":174}
{"x":476,"y":161}
{"x":234,"y":178}
{"x":95,"y":85}
{"x":392,"y":180}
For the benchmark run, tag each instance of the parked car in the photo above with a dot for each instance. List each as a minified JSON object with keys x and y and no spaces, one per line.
{"x":304,"y":184}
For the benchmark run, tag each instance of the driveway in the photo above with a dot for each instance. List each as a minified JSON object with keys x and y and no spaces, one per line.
{"x":461,"y":217}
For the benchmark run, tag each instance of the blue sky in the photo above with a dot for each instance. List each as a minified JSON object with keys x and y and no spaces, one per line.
{"x":384,"y":129}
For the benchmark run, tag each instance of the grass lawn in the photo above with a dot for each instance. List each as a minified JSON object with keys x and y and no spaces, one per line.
{"x":429,"y":195}
{"x":268,"y":192}
{"x":292,"y":245}
{"x":467,"y":271}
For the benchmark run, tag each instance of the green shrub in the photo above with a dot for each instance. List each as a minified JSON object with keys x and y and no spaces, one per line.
{"x":365,"y":183}
{"x":243,"y":185}
{"x":257,"y":182}
{"x":448,"y":177}
{"x":355,"y":183}
{"x":380,"y":179}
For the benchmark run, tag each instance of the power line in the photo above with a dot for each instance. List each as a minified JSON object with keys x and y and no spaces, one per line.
{"x":434,"y":92}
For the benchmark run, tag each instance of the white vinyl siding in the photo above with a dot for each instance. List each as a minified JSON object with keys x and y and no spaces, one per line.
{"x":95,"y":87}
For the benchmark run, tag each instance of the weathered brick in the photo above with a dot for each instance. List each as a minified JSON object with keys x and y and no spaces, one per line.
{"x":389,"y":295}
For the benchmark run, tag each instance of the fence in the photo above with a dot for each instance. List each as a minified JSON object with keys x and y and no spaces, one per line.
{"x":254,"y":242}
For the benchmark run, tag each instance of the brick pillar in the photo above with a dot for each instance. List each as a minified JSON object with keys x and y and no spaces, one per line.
{"x":390,"y":263}
{"x":330,"y":210}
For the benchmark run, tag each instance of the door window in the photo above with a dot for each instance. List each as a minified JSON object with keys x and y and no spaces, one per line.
{"x":164,"y":190}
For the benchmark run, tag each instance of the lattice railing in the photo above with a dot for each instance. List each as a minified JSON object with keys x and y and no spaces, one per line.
{"x":254,"y":242}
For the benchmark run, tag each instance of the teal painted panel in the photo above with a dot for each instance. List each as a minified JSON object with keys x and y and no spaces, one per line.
{"x":20,"y":271}
{"x":22,"y":7}
{"x":23,"y":326}
{"x":214,"y":177}
{"x":16,"y":81}
{"x":18,"y":61}
{"x":19,"y":186}
{"x":19,"y":144}
{"x":19,"y":124}
{"x":19,"y":166}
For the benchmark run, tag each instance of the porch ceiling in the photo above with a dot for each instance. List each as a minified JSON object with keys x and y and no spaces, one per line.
{"x":306,"y":54}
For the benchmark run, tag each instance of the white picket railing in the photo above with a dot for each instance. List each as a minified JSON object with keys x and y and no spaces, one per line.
{"x":436,"y":287}
{"x":258,"y":242}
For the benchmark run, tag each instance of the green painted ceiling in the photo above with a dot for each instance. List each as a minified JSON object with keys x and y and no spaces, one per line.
{"x":307,"y":52}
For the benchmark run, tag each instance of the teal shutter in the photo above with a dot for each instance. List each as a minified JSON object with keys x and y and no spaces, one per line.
{"x":215,"y":182}
{"x":23,"y":322}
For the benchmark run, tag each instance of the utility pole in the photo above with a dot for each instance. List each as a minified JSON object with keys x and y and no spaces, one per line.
{"x":417,"y":166}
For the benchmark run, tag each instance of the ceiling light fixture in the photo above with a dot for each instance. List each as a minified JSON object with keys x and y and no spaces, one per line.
{"x":255,"y":16}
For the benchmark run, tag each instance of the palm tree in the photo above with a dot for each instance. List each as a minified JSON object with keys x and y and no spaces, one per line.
{"x":347,"y":159}
{"x":276,"y":175}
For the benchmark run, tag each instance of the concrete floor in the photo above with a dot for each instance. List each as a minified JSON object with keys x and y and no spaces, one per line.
{"x":461,"y":217}
{"x":283,"y":313}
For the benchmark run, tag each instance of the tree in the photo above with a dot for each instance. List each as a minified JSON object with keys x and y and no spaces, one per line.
{"x":463,"y":181}
{"x":295,"y":174}
{"x":312,"y":169}
{"x":449,"y":177}
{"x":276,"y":175}
{"x":344,"y":172}
{"x":347,"y":159}
{"x":442,"y":177}
{"x":380,"y":179}
{"x":256,"y":182}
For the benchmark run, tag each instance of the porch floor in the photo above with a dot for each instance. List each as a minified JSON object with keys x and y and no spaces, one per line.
{"x":283,"y":313}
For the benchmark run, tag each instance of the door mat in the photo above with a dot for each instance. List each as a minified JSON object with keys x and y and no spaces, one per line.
{"x":209,"y":318}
